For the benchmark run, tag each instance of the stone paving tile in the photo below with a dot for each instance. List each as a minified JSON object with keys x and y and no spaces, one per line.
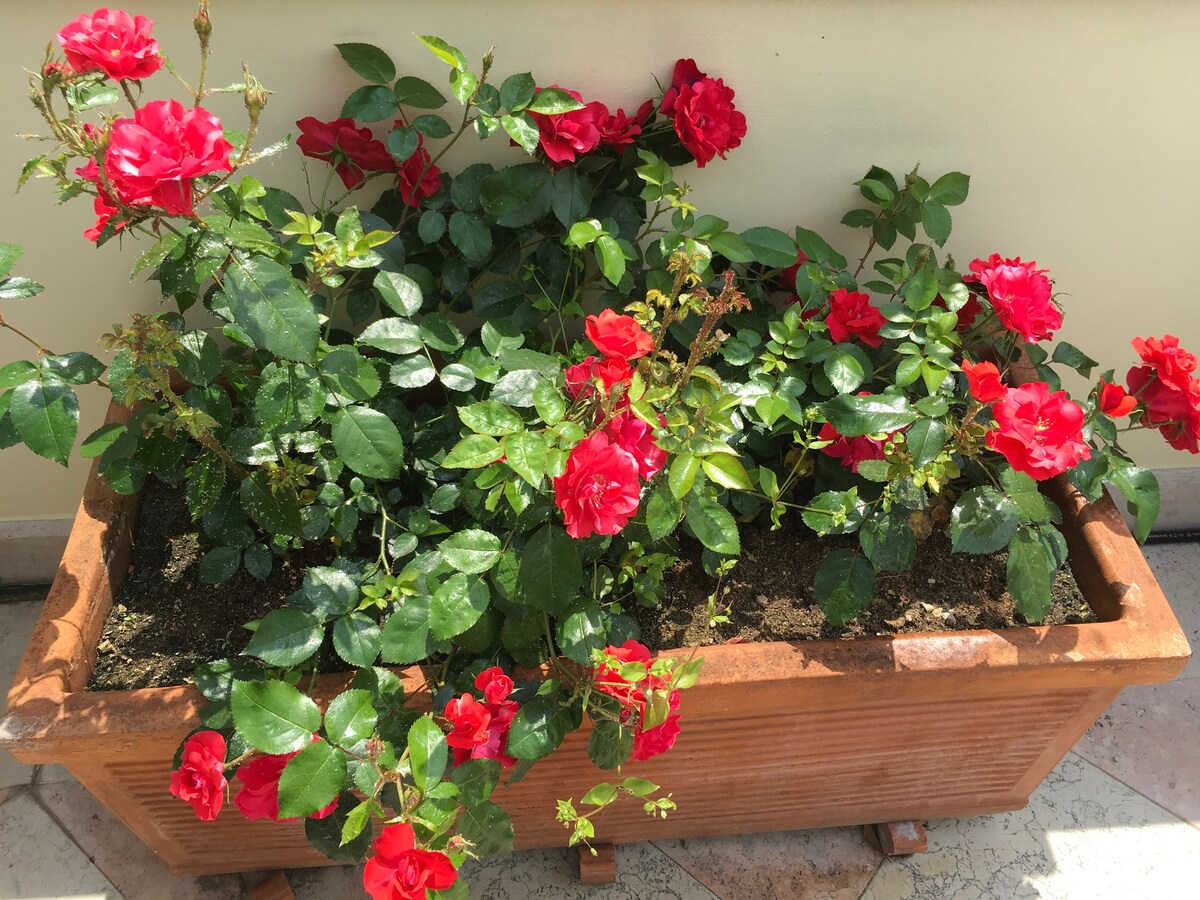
{"x":1084,"y":834}
{"x":1149,"y":740}
{"x":1177,"y":568}
{"x":129,"y":864}
{"x":820,"y":864}
{"x":643,"y":873}
{"x":38,"y":860}
{"x":16,"y":624}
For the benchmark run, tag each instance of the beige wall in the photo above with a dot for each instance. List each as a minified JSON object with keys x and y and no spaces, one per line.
{"x":1079,"y":123}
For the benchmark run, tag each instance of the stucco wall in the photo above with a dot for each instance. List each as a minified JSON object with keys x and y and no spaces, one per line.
{"x":1079,"y":123}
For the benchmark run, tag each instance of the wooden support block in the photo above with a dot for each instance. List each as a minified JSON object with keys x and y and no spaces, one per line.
{"x":598,"y":869}
{"x":897,"y":838}
{"x":274,"y":887}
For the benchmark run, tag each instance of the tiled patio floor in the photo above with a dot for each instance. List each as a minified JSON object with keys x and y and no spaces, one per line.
{"x":1118,"y":818}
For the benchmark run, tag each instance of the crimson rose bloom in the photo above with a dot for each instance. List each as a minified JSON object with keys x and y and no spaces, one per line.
{"x":111,"y":40}
{"x":1020,"y":294}
{"x":1040,"y":433}
{"x":686,"y":73}
{"x":983,"y":380}
{"x":581,"y":378}
{"x":200,"y":778}
{"x":851,"y":314}
{"x":617,"y":129}
{"x":570,"y":134}
{"x":153,"y":157}
{"x":706,"y":121}
{"x":1113,"y":400}
{"x":491,"y":741}
{"x":351,"y":151}
{"x":1170,"y":363}
{"x":496,"y":686}
{"x":400,"y":871}
{"x":850,"y":450}
{"x":417,"y":167}
{"x":1167,"y":390}
{"x":634,"y":435}
{"x":258,"y":797}
{"x":598,"y":493}
{"x":618,"y":336}
{"x":648,"y":742}
{"x":468,"y":722}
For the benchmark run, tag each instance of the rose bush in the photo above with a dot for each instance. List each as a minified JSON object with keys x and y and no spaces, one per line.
{"x":491,"y":382}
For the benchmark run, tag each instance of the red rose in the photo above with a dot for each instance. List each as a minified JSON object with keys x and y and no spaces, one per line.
{"x":1170,"y":363}
{"x":258,"y":797}
{"x":1040,"y":433}
{"x":686,"y":73}
{"x":1167,"y":391}
{"x":351,"y":151}
{"x":850,"y":450}
{"x":416,"y":167}
{"x":618,"y":336}
{"x":468,"y":722}
{"x":1020,"y":294}
{"x":608,"y":678}
{"x":496,"y":686}
{"x":706,"y":121}
{"x":635,"y":435}
{"x":617,"y":129}
{"x":983,"y":380}
{"x":152,"y":158}
{"x":598,"y":493}
{"x":112,"y":41}
{"x":400,"y":871}
{"x":200,"y":778}
{"x":648,"y":742}
{"x":851,"y":313}
{"x":1113,"y":400}
{"x":567,"y":135}
{"x":103,"y":205}
{"x":581,"y":378}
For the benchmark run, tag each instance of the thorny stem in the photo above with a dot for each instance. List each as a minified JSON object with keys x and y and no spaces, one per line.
{"x":128,"y":94}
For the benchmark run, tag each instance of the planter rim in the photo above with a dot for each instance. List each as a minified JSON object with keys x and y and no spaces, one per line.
{"x":1137,"y":641}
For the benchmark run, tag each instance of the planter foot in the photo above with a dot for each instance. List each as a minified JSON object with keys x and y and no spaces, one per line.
{"x":897,"y":838}
{"x":598,"y":869}
{"x":274,"y":887}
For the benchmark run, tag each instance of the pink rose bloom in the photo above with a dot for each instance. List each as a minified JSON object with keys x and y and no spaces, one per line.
{"x":200,"y":778}
{"x":599,"y":491}
{"x":1020,"y":294}
{"x":113,"y":42}
{"x":636,"y":436}
{"x":153,"y":157}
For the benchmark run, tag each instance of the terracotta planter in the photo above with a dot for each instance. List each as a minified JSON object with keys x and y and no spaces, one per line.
{"x":775,"y":736}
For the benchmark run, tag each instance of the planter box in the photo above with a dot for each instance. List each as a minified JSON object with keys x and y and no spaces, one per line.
{"x":775,"y":736}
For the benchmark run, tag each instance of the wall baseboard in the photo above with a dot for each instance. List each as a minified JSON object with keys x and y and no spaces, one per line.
{"x":30,"y":549}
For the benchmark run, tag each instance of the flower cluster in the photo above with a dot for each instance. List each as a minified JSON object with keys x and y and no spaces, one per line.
{"x":1166,"y":390}
{"x":640,"y":691}
{"x":1021,"y":295}
{"x":355,"y":152}
{"x":480,"y":730}
{"x":569,"y":135}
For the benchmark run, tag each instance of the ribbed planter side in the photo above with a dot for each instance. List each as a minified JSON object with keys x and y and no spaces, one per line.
{"x":775,"y":736}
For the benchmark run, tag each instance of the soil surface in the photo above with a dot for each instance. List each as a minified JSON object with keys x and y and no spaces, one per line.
{"x":165,"y":621}
{"x":771,"y":594}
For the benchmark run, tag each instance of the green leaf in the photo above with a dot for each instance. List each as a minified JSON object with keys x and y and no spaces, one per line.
{"x":550,"y":570}
{"x":609,"y":744}
{"x":469,"y":232}
{"x":713,"y":526}
{"x":682,"y":475}
{"x":101,"y":439}
{"x":476,"y":779}
{"x":1140,"y":488}
{"x":727,"y":471}
{"x":888,"y":542}
{"x":275,"y":509}
{"x":610,"y":258}
{"x":843,"y":370}
{"x":370,"y":103}
{"x":487,"y":827}
{"x":440,"y":333}
{"x":549,"y":402}
{"x":516,"y":388}
{"x":427,"y":752}
{"x":431,"y":226}
{"x":552,"y":101}
{"x":285,"y":637}
{"x":525,"y":454}
{"x":402,"y":143}
{"x":349,"y":375}
{"x":258,"y":561}
{"x":935,"y":219}
{"x":19,"y":288}
{"x":357,"y":640}
{"x":582,"y":632}
{"x":853,"y":416}
{"x":351,"y":717}
{"x":74,"y":368}
{"x":925,"y":440}
{"x":445,"y":52}
{"x":983,"y":521}
{"x":219,"y":564}
{"x":834,"y":512}
{"x":491,"y":418}
{"x":572,"y":196}
{"x":406,"y":637}
{"x":398,"y":336}
{"x":951,"y":189}
{"x":536,"y":730}
{"x":1070,"y":355}
{"x":432,"y":126}
{"x":473,"y":452}
{"x":368,"y":442}
{"x":289,"y":397}
{"x":419,"y":93}
{"x":311,"y":780}
{"x":272,"y":307}
{"x":516,"y":91}
{"x":412,"y":372}
{"x":457,"y":604}
{"x":9,"y":254}
{"x":732,"y":246}
{"x":663,"y":511}
{"x":45,"y":413}
{"x":1030,"y":574}
{"x":400,"y":292}
{"x":1023,"y":491}
{"x":472,"y":551}
{"x":368,"y":61}
{"x":199,"y":358}
{"x":273,"y":716}
{"x":922,"y":288}
{"x":17,"y":372}
{"x":844,"y":585}
{"x":327,"y":592}
{"x":336,"y":835}
{"x":771,"y":247}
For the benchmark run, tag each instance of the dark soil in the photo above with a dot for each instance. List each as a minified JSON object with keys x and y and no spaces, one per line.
{"x":165,"y":621}
{"x":771,"y":594}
